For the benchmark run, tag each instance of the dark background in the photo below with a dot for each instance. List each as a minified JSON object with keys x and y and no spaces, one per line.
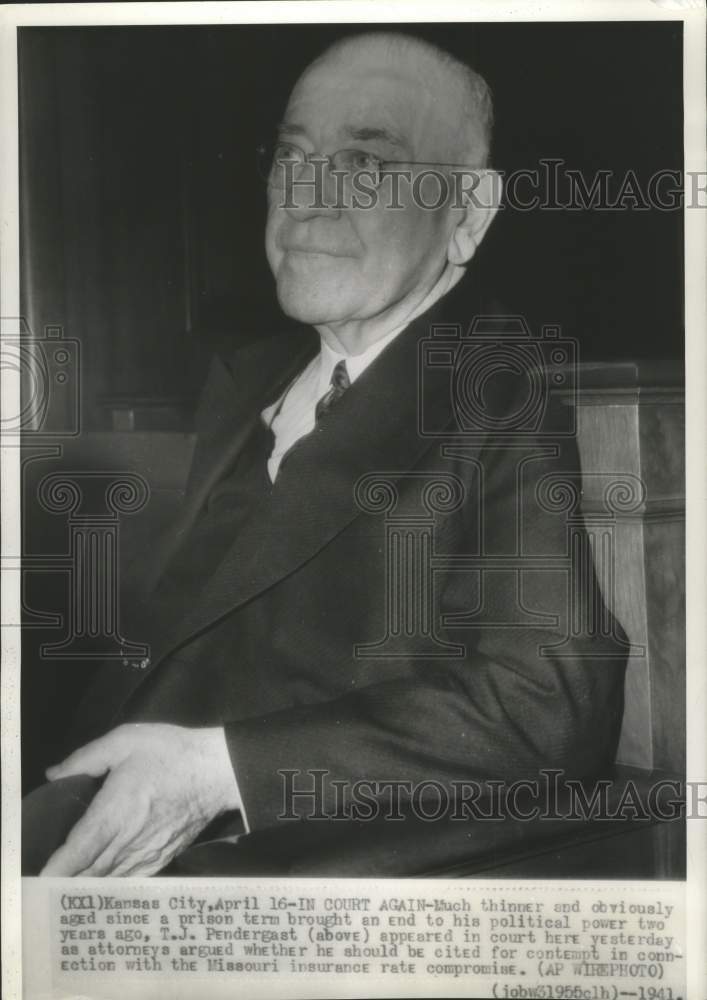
{"x":143,"y":212}
{"x":142,"y":217}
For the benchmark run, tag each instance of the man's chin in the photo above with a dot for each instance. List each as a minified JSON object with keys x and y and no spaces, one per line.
{"x":307,"y":305}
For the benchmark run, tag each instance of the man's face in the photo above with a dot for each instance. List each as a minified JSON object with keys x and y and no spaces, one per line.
{"x":337,"y":265}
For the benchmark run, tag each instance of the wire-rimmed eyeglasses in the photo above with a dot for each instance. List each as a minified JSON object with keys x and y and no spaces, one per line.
{"x":277,"y":162}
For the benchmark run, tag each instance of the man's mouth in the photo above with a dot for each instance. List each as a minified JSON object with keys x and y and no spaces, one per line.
{"x":314,"y":251}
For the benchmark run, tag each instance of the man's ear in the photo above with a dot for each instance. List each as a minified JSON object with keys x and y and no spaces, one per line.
{"x":475,"y":207}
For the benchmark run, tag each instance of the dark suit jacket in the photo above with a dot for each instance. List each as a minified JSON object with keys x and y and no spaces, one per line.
{"x":271,"y":644}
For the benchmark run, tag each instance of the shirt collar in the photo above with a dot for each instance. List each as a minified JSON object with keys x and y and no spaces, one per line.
{"x":356,"y":364}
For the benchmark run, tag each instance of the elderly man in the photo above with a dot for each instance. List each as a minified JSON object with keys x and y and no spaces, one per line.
{"x":275,"y":650}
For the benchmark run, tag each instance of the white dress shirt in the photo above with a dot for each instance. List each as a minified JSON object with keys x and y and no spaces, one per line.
{"x":293,"y":415}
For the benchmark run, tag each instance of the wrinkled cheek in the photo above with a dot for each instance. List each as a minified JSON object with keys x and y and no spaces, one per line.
{"x":430,"y":191}
{"x":272,"y":252}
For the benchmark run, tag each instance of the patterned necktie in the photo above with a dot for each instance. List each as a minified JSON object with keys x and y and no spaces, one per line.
{"x":340,"y":382}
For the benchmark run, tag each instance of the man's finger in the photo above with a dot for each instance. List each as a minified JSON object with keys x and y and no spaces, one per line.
{"x":94,"y":759}
{"x":104,"y":864}
{"x":64,"y":863}
{"x":129,"y":859}
{"x":88,"y":839}
{"x":140,"y":869}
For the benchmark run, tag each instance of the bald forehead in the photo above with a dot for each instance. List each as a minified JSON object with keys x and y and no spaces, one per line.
{"x":409,"y":87}
{"x":360,"y":98}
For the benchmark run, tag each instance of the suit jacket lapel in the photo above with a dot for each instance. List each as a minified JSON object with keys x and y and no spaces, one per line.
{"x":234,"y":399}
{"x":374,"y":427}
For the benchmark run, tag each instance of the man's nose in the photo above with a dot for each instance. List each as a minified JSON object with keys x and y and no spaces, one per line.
{"x":312,"y":189}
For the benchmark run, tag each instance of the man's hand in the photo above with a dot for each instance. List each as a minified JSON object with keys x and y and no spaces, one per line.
{"x":164,"y":784}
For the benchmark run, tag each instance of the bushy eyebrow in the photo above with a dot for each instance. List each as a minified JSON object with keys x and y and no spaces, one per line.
{"x":290,"y":128}
{"x":358,"y":133}
{"x":365,"y":134}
